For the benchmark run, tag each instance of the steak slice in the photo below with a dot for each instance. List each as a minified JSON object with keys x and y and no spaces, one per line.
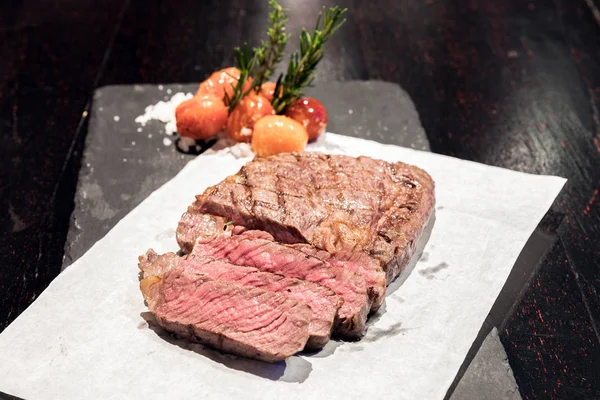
{"x":191,"y":226}
{"x":323,"y":302}
{"x":266,"y":255}
{"x":237,"y":319}
{"x":359,"y":263}
{"x":334,"y":202}
{"x":356,"y":262}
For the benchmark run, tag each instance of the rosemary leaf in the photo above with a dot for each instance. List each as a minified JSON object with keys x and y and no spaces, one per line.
{"x":302,"y":64}
{"x":260,"y":63}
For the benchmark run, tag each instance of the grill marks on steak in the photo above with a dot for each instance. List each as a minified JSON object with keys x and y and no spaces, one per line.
{"x":335,"y":203}
{"x":347,"y":227}
{"x":233,"y":318}
{"x":253,"y":250}
{"x":322,"y":301}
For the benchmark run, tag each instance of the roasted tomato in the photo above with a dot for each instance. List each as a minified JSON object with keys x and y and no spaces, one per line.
{"x":311,"y":114}
{"x":243,"y":117}
{"x":267,"y":90}
{"x":276,"y":134}
{"x":201,"y":117}
{"x":222,"y":82}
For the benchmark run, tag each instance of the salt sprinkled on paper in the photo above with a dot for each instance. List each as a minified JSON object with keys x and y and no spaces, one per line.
{"x":241,"y":150}
{"x":164,"y":111}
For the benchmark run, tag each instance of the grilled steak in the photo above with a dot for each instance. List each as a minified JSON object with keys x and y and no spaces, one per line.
{"x":285,"y":249}
{"x":236,"y":319}
{"x":192,"y":226}
{"x":256,"y":251}
{"x":323,"y":302}
{"x":359,"y":263}
{"x":336,"y":203}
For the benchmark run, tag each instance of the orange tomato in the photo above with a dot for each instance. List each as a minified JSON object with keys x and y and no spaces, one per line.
{"x":240,"y":123}
{"x":311,"y":114}
{"x":276,"y":134}
{"x":201,"y":117}
{"x":267,"y":90}
{"x":222,"y":82}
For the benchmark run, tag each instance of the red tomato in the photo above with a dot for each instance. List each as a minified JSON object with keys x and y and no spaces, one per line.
{"x":311,"y":114}
{"x":222,"y":82}
{"x":201,"y":117}
{"x":243,"y":117}
{"x":267,"y":90}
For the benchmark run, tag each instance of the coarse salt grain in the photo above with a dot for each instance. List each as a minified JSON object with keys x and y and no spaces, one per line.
{"x":164,"y":111}
{"x":167,"y":142}
{"x":116,"y":118}
{"x":185,"y":144}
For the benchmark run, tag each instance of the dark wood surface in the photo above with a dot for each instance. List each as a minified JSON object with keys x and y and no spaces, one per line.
{"x":514,"y":84}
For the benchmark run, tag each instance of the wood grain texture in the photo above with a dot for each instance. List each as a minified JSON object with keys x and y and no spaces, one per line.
{"x":514,"y":84}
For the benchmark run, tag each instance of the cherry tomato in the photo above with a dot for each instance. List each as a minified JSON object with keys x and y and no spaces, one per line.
{"x":222,"y":82}
{"x":267,"y":90}
{"x":276,"y":134}
{"x":201,"y":117}
{"x":243,"y":117}
{"x":311,"y":114}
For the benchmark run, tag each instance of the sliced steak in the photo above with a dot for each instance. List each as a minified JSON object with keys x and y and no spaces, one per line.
{"x":323,"y":302}
{"x":191,"y":226}
{"x":336,"y":203}
{"x":266,"y":255}
{"x":356,"y":262}
{"x":237,"y":319}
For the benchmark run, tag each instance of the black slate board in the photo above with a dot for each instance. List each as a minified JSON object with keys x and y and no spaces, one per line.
{"x":124,"y":162}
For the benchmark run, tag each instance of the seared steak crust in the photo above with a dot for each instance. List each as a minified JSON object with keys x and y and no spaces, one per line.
{"x":336,"y":203}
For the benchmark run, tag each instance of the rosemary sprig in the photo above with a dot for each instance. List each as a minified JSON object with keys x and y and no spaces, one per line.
{"x":271,"y":51}
{"x":303,"y":63}
{"x":245,"y":63}
{"x":262,"y":61}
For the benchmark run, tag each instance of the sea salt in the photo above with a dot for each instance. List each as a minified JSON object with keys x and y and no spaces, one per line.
{"x":185,"y":144}
{"x":164,"y":111}
{"x":116,"y":118}
{"x":167,"y":141}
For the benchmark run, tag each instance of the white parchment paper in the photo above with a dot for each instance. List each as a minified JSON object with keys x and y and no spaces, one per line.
{"x":87,"y":337}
